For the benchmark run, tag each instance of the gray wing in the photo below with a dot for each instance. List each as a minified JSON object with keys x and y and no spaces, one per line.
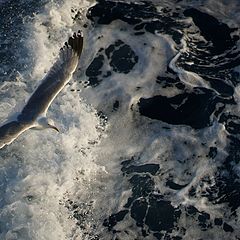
{"x":57,"y":77}
{"x":11,"y":130}
{"x":59,"y":74}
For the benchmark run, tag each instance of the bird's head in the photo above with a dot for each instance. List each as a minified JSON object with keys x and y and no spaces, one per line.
{"x":47,"y":123}
{"x":51,"y":124}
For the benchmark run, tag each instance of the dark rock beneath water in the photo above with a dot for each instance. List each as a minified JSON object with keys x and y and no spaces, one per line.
{"x":191,"y":210}
{"x":145,"y":206}
{"x":226,"y":187}
{"x":143,"y":15}
{"x":202,"y":218}
{"x":213,"y":60}
{"x":212,"y":152}
{"x":142,"y":185}
{"x":231,"y":122}
{"x":114,"y":219}
{"x":94,"y":70}
{"x":146,"y":168}
{"x":204,"y":222}
{"x":161,"y":215}
{"x":213,"y":30}
{"x":170,"y":82}
{"x":138,"y":211}
{"x":220,"y":86}
{"x":193,"y":109}
{"x":227,"y":228}
{"x":218,"y":221}
{"x":174,"y":185}
{"x":122,"y":57}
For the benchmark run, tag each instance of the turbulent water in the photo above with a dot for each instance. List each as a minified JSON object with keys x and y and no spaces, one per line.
{"x":149,"y":143}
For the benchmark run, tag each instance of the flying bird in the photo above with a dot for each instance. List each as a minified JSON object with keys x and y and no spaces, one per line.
{"x":33,"y":114}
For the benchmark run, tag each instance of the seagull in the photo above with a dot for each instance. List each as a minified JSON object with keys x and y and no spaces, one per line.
{"x":33,"y":114}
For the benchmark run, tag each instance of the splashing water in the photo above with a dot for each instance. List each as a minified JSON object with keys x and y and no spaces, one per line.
{"x":148,"y":147}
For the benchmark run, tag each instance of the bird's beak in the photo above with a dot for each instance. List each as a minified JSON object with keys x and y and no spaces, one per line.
{"x":53,"y":127}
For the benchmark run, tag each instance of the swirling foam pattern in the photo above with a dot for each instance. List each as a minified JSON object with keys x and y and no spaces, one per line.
{"x":149,"y":142}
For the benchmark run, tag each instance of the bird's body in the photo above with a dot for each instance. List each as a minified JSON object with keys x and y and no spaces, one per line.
{"x":33,"y":114}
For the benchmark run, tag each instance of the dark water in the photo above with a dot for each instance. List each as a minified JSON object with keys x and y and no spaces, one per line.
{"x":171,"y":193}
{"x":13,"y":34}
{"x":214,"y":60}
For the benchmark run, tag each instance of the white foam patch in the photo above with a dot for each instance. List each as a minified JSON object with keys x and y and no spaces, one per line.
{"x":40,"y":167}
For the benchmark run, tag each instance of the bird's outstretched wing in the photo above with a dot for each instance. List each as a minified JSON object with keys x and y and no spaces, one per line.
{"x":10,"y":131}
{"x":57,"y":77}
{"x":37,"y":105}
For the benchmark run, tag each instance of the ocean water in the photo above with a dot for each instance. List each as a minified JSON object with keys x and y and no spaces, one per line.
{"x":149,"y":143}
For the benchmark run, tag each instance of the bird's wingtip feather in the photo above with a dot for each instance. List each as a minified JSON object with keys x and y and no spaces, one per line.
{"x":76,"y":42}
